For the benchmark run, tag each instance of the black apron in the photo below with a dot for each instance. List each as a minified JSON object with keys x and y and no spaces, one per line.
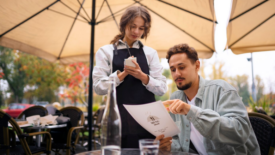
{"x":131,"y":91}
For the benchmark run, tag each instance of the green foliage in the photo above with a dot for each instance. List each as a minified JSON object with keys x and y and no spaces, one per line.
{"x":259,"y":87}
{"x":240,"y":82}
{"x":11,"y":69}
{"x":263,"y":103}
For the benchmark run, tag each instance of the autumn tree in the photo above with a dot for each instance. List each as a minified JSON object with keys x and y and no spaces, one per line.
{"x":12,"y":72}
{"x":259,"y":87}
{"x":43,"y":78}
{"x":77,"y":83}
{"x":240,"y":82}
{"x":218,"y":71}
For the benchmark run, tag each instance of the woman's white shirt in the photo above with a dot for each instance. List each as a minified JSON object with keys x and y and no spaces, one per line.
{"x":103,"y":69}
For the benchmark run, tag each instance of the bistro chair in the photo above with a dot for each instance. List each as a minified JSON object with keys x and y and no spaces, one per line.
{"x":97,"y":117}
{"x":23,"y":148}
{"x":264,"y":128}
{"x":34,"y":110}
{"x":67,"y":138}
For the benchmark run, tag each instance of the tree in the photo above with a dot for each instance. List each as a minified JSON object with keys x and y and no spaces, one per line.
{"x":217,"y":71}
{"x":240,"y":82}
{"x":42,"y":77}
{"x":78,"y":83}
{"x":259,"y":87}
{"x":11,"y":72}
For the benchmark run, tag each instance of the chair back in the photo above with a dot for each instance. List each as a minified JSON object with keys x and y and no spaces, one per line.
{"x":4,"y":131}
{"x":98,"y":115}
{"x":34,"y":110}
{"x":75,"y":114}
{"x":5,"y":138}
{"x":264,"y":128}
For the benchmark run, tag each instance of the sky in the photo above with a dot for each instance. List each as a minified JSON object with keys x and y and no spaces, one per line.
{"x":263,"y":62}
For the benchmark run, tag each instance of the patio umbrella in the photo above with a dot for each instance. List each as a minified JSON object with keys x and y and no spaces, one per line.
{"x":251,"y":26}
{"x":70,"y":30}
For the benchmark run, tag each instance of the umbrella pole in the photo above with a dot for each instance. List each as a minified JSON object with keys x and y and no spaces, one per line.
{"x":90,"y":98}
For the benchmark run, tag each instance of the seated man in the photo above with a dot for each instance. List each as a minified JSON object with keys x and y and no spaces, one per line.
{"x":209,"y":113}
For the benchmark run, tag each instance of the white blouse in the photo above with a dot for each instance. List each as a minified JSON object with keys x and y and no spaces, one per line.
{"x":103,"y":69}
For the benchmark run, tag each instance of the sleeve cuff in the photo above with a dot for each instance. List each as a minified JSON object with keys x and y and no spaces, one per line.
{"x":193,"y":113}
{"x":150,"y":83}
{"x":118,"y":82}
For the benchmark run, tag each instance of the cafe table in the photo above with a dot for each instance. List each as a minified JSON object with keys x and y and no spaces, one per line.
{"x":133,"y":152}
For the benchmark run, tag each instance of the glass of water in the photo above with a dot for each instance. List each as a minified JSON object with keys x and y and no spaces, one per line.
{"x":36,"y":122}
{"x":148,"y":146}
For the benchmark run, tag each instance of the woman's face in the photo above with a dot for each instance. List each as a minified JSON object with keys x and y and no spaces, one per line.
{"x":135,"y":30}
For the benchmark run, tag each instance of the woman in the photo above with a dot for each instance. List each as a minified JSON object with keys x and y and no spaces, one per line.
{"x":134,"y":85}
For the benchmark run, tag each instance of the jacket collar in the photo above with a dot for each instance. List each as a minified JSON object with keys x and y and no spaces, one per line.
{"x":200,"y":91}
{"x":122,"y":45}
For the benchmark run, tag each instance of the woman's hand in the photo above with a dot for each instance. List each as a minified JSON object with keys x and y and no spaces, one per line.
{"x":137,"y":73}
{"x":122,"y":75}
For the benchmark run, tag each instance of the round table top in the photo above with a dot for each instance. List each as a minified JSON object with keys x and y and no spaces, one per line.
{"x":52,"y":126}
{"x":134,"y":152}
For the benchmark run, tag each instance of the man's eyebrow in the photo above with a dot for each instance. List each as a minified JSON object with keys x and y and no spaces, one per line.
{"x":177,"y":65}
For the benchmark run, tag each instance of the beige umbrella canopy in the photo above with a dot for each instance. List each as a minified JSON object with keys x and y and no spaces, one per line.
{"x":252,"y":26}
{"x":61,"y":30}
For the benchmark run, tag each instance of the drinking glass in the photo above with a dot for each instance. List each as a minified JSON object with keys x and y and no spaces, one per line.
{"x":148,"y":146}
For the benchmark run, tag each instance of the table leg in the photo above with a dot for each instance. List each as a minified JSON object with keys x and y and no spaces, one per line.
{"x":38,"y":139}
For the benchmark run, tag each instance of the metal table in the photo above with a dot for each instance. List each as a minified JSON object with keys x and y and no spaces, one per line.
{"x":133,"y":152}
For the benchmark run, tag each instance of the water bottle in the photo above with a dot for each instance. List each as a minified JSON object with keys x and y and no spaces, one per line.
{"x":111,"y":124}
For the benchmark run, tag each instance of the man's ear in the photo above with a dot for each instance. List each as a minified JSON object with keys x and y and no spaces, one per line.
{"x":198,"y":65}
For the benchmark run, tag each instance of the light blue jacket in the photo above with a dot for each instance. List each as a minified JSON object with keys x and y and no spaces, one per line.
{"x":221,"y":118}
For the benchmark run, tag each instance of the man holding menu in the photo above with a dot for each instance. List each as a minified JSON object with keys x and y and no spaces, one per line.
{"x":209,"y":113}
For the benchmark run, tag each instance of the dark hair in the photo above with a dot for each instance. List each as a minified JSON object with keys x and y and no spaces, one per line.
{"x":128,"y":17}
{"x":183,"y":48}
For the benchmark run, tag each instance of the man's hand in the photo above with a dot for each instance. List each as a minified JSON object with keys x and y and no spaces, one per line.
{"x":164,"y":143}
{"x":177,"y":106}
{"x":137,"y":73}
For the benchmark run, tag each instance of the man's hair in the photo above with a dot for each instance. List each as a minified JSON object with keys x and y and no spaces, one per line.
{"x":183,"y":48}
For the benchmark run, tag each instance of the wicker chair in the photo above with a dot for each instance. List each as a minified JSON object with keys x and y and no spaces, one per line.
{"x":97,"y":117}
{"x":35,"y":110}
{"x":264,"y":128}
{"x":6,"y":134}
{"x":66,"y":138}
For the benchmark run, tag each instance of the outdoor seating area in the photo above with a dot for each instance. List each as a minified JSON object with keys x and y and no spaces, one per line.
{"x":135,"y":77}
{"x":60,"y":138}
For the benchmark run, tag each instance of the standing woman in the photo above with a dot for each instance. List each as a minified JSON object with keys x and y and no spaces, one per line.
{"x":134,"y":85}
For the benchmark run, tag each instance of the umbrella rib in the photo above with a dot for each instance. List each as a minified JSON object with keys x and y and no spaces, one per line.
{"x":251,"y":30}
{"x":28,"y":19}
{"x":116,"y":12}
{"x":187,"y":11}
{"x":74,"y":11}
{"x":99,"y":10}
{"x":67,"y":15}
{"x":108,"y":19}
{"x":175,"y":26}
{"x":84,"y":10}
{"x":70,"y":30}
{"x":112,"y":13}
{"x":247,"y":11}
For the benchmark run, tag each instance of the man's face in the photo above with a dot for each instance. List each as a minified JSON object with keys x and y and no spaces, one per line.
{"x":183,"y":71}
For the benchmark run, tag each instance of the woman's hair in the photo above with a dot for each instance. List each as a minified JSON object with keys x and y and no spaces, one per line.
{"x":128,"y":17}
{"x":183,"y":48}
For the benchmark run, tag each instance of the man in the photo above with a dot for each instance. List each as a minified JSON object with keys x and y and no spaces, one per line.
{"x":209,"y":113}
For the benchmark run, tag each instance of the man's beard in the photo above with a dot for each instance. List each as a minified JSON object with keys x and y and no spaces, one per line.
{"x":188,"y":85}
